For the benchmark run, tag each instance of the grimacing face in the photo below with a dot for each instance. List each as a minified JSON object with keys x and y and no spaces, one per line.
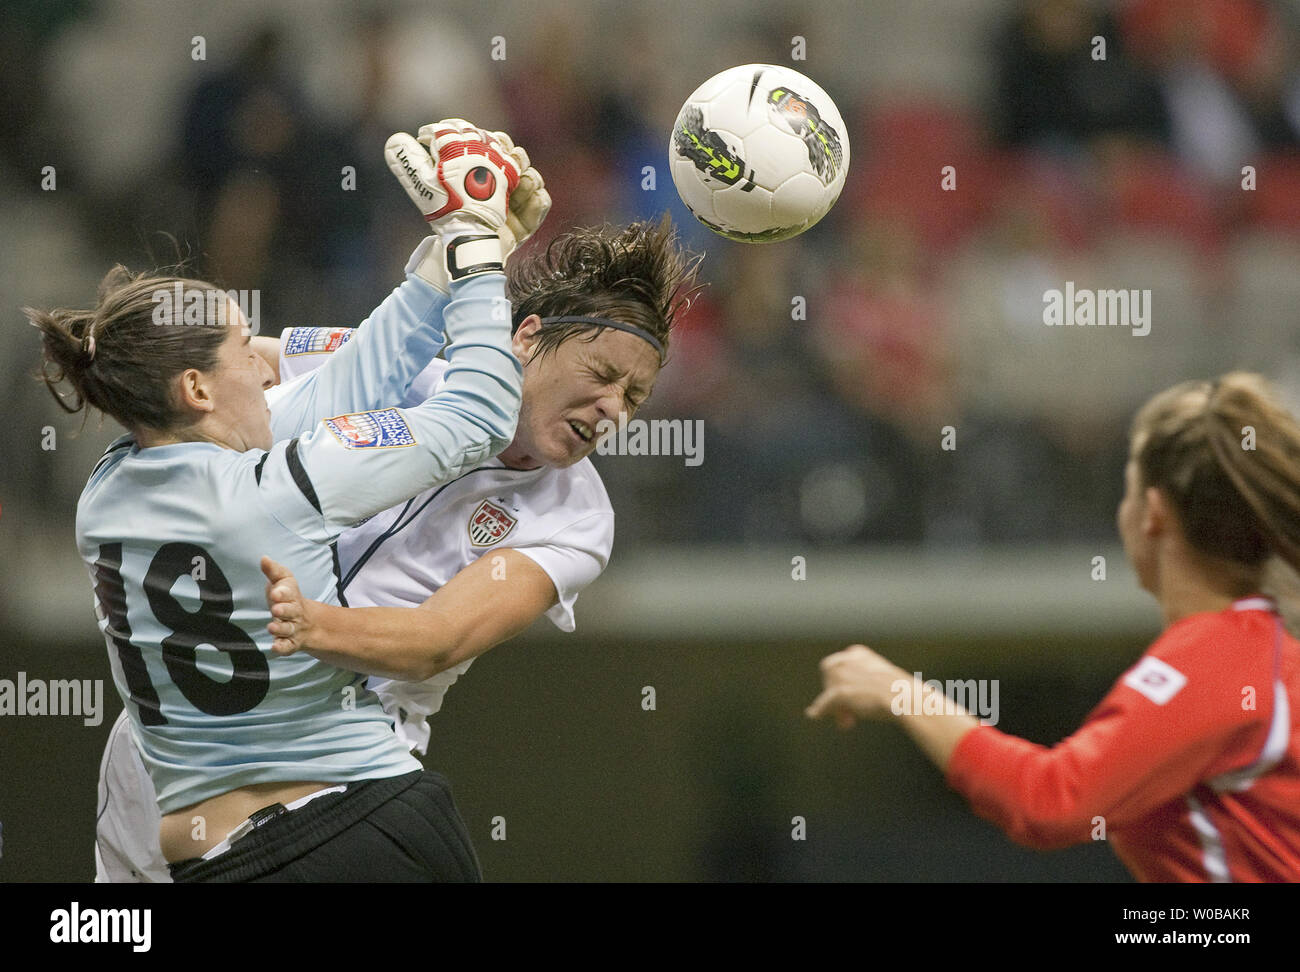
{"x":571,"y":390}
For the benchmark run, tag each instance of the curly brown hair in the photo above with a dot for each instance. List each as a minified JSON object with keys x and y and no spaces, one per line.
{"x":636,"y":275}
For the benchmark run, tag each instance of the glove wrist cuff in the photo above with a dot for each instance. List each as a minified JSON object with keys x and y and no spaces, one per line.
{"x":473,"y":253}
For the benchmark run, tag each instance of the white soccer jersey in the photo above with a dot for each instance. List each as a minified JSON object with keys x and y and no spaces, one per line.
{"x":560,"y":518}
{"x":126,"y":828}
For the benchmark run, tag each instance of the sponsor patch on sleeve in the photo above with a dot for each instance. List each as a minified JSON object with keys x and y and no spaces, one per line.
{"x":1155,"y":679}
{"x":383,"y":429}
{"x":316,"y":340}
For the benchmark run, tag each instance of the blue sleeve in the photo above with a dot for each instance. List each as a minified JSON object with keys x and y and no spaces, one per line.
{"x":371,"y":370}
{"x":303,"y":349}
{"x":352,"y":466}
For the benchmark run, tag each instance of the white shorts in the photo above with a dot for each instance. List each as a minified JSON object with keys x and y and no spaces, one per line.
{"x":127,"y":849}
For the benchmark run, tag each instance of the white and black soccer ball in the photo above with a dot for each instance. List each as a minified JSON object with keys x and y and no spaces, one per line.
{"x":759,"y":153}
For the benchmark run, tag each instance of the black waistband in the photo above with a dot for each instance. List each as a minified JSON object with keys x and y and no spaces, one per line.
{"x":291,"y":835}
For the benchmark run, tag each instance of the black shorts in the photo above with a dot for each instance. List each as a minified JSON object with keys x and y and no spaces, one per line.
{"x":405,"y":828}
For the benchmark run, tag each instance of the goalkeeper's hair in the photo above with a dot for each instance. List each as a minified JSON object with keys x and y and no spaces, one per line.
{"x":636,"y":275}
{"x":1238,"y":501}
{"x":118,"y":357}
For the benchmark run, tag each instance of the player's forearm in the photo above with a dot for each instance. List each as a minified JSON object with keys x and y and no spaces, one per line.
{"x":402,"y":643}
{"x":373,"y":369}
{"x":936,"y":725}
{"x":1027,"y":792}
{"x":391,"y":346}
{"x":1121,"y":765}
{"x":484,"y":379}
{"x":358,"y":470}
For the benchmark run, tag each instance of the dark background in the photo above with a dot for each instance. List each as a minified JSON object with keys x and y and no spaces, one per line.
{"x":552,"y":737}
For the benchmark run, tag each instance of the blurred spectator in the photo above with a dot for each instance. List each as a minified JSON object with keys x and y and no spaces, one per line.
{"x":883,"y":339}
{"x":27,"y":27}
{"x":250,"y":151}
{"x":924,"y":166}
{"x":1049,"y":91}
{"x":1228,"y":78}
{"x":924,"y":305}
{"x":552,"y":117}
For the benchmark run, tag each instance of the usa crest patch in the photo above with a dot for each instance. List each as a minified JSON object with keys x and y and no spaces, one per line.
{"x":316,"y":340}
{"x":384,"y":429}
{"x":489,"y":524}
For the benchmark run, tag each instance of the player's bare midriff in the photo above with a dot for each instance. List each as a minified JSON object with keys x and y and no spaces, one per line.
{"x":222,"y":814}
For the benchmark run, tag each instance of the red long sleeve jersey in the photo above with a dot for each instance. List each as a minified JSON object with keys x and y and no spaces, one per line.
{"x":1190,"y":760}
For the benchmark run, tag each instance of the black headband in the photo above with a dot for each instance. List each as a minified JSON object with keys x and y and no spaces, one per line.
{"x":640,"y":332}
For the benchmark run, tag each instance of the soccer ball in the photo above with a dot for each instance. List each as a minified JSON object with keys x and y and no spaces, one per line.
{"x":759,"y":153}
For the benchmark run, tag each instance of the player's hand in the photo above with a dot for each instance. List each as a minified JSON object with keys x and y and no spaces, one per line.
{"x":530,"y":201}
{"x":289,"y":609}
{"x":856,"y":684}
{"x":463,"y":175}
{"x":417,"y":171}
{"x":467,"y":181}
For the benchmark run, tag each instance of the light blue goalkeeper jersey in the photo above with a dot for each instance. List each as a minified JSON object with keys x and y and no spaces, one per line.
{"x":173,"y":536}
